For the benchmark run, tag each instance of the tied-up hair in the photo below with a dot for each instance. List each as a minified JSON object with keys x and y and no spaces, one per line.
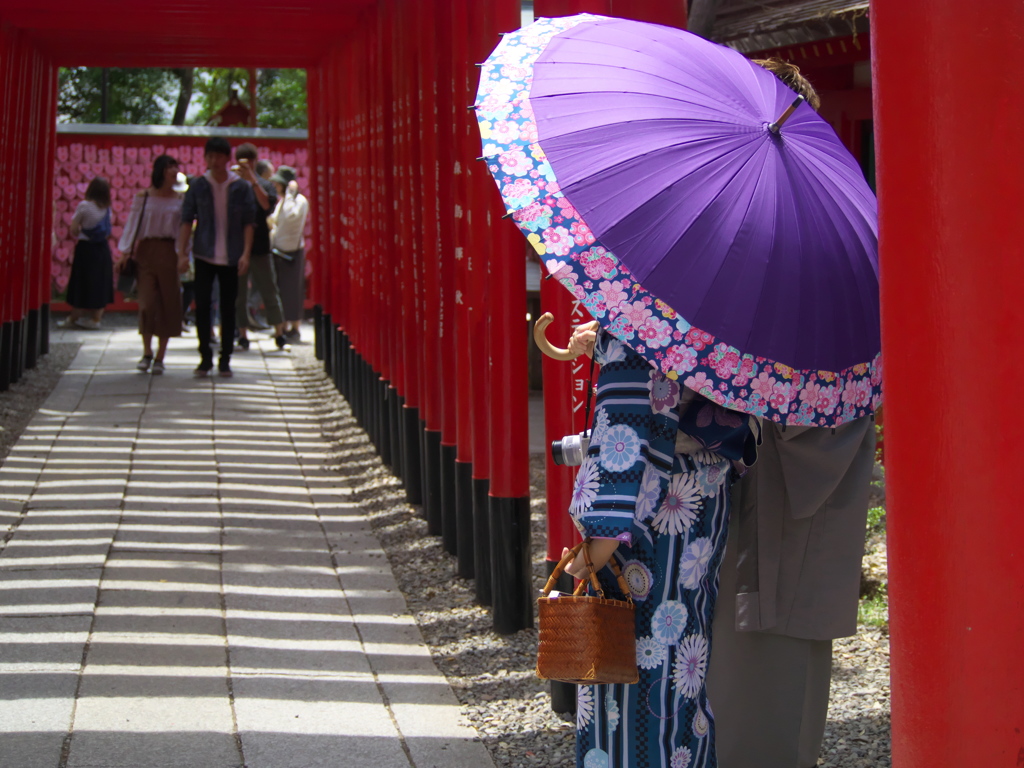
{"x":160,"y":166}
{"x":98,"y":192}
{"x":789,"y":74}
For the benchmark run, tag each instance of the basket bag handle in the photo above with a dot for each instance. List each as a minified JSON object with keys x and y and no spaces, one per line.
{"x":584,"y":546}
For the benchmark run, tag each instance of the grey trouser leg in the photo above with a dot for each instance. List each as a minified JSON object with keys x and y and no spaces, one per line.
{"x":769,"y":693}
{"x":261,"y":271}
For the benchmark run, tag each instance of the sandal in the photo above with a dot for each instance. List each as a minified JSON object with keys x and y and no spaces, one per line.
{"x":144,"y":363}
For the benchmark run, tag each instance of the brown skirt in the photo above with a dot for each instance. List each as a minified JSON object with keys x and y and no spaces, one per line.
{"x":159,"y":288}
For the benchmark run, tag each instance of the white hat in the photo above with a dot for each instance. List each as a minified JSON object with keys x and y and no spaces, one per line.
{"x":181,"y":183}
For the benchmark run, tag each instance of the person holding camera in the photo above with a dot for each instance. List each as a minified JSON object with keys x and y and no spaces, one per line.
{"x":653,"y":492}
{"x":288,"y":224}
{"x":261,"y":263}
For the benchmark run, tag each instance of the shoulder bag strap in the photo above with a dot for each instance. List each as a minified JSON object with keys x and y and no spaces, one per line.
{"x":138,"y":226}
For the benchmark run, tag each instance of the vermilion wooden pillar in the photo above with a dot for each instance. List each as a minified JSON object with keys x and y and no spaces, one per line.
{"x":48,"y":159}
{"x":449,"y":104}
{"x":949,"y":111}
{"x":8,"y":91}
{"x":316,"y":292}
{"x":430,"y":133}
{"x":474,"y":540}
{"x":503,"y":543}
{"x":17,"y":122}
{"x":462,"y":519}
{"x":314,"y":286}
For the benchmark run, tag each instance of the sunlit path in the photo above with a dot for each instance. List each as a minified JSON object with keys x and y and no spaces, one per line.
{"x":182,"y":584}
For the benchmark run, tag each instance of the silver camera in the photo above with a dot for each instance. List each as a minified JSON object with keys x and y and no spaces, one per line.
{"x":571,"y":450}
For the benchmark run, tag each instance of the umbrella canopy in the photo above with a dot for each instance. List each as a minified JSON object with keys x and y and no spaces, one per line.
{"x":639,"y":161}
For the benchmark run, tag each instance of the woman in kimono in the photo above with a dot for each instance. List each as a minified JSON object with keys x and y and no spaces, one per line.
{"x":653,"y":492}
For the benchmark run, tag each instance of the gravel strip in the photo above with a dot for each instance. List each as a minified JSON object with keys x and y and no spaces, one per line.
{"x":19,"y":403}
{"x":492,"y":675}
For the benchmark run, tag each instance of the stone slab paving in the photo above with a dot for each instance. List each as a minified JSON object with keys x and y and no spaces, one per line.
{"x":183,"y":586}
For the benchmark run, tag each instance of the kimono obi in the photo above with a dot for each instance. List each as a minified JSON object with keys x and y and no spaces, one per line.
{"x":705,"y":425}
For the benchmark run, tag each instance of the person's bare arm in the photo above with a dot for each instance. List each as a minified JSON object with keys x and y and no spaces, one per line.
{"x":75,"y":228}
{"x":184,"y":233}
{"x":247,"y":173}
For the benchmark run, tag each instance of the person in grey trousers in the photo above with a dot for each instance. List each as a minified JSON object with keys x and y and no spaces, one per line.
{"x":261,"y":263}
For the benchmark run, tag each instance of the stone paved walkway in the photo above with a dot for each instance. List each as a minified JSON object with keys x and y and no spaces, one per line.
{"x":182,"y":584}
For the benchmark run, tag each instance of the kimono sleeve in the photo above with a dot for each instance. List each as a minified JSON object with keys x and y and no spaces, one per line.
{"x":630,"y":455}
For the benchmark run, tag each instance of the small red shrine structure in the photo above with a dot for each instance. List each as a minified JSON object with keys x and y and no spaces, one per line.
{"x":234,"y":112}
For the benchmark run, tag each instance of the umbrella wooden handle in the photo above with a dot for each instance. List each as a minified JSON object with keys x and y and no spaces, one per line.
{"x":777,"y":125}
{"x":542,"y":342}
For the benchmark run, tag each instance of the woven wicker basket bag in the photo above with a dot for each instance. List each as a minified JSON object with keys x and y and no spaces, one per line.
{"x":586,"y":638}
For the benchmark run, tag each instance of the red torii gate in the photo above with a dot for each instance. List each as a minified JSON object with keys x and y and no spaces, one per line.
{"x":421,"y":289}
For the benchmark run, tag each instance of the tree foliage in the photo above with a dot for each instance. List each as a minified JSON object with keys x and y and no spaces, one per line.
{"x":281,"y":98}
{"x":134,"y":96}
{"x":166,"y":96}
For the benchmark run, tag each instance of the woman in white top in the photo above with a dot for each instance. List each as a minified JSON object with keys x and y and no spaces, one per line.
{"x":288,"y":222}
{"x":91,"y":285}
{"x":149,"y":237}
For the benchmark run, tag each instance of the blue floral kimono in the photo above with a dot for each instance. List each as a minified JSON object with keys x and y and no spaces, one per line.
{"x":669,"y":510}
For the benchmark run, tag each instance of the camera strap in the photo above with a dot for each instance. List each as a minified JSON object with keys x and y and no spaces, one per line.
{"x":587,"y":425}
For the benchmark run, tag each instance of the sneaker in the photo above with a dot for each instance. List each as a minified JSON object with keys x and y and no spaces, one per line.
{"x":292,"y":335}
{"x":243,"y":343}
{"x":144,"y":363}
{"x":158,"y":367}
{"x":281,"y":342}
{"x":224,"y":369}
{"x":203,"y":369}
{"x":87,"y":324}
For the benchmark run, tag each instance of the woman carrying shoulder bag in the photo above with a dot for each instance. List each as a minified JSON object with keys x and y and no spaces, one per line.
{"x":91,"y":285}
{"x":149,"y":238}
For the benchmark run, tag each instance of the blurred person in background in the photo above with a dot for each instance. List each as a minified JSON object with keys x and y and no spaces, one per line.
{"x":288,"y":223}
{"x":223,"y":208}
{"x":91,"y":285}
{"x":261,"y":265}
{"x":148,"y":238}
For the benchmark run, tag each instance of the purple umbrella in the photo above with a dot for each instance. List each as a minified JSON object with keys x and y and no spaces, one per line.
{"x":658,"y":146}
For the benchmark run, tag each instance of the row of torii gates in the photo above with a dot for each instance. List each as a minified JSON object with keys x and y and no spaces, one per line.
{"x":420,"y":290}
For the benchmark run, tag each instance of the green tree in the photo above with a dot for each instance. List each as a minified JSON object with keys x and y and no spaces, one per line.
{"x":281,"y":98}
{"x":134,"y":96}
